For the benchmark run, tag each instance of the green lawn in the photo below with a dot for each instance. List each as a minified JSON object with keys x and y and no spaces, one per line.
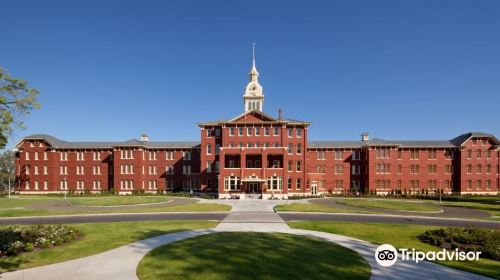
{"x":117,"y":200}
{"x":15,"y":207}
{"x":399,"y":235}
{"x":389,"y":204}
{"x":22,"y":201}
{"x":300,"y":207}
{"x":486,"y":205}
{"x":99,"y":237}
{"x":252,"y":256}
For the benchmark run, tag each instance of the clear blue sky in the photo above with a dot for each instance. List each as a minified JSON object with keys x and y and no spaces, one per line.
{"x":110,"y":70}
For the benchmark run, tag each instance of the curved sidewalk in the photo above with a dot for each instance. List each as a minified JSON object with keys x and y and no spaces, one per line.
{"x":121,"y":263}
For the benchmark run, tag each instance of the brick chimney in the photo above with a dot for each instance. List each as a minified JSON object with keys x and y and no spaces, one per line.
{"x":280,"y":115}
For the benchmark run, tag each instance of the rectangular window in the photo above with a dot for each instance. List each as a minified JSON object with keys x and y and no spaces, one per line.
{"x":478,"y":154}
{"x":290,"y":132}
{"x":257,"y":131}
{"x":217,"y":149}
{"x":431,"y":154}
{"x":414,"y":154}
{"x":290,"y":165}
{"x":321,"y":155}
{"x":299,"y":148}
{"x":217,"y":132}
{"x":209,"y":149}
{"x":298,"y":185}
{"x":209,"y":132}
{"x":45,"y":156}
{"x":338,"y":155}
{"x":448,"y":154}
{"x":299,"y":167}
{"x":266,"y":131}
{"x":276,"y":131}
{"x":231,"y":131}
{"x":249,"y":131}
{"x":290,"y":148}
{"x":240,"y":131}
{"x":298,"y":131}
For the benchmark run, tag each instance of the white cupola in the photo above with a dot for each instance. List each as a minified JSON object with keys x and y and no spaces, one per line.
{"x":253,"y":97}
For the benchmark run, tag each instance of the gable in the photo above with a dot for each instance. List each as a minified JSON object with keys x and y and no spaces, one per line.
{"x":252,"y":117}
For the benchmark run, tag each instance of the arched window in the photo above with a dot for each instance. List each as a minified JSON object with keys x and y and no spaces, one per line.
{"x":258,"y":105}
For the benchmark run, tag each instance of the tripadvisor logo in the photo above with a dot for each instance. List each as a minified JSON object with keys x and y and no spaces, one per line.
{"x":386,"y":255}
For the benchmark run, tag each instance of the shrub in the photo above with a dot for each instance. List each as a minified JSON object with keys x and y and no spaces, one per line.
{"x":468,"y":239}
{"x":18,"y":239}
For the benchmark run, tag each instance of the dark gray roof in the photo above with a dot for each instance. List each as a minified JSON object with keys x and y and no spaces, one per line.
{"x":460,"y":140}
{"x":61,"y":144}
{"x":334,"y":144}
{"x":425,"y":144}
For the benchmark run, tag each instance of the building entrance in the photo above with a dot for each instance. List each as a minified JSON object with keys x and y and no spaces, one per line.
{"x":314,"y":187}
{"x":253,"y":188}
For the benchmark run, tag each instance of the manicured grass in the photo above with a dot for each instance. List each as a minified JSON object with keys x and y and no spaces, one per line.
{"x":399,"y":235}
{"x":300,"y":207}
{"x":252,"y":256}
{"x":192,"y":207}
{"x":117,"y":200}
{"x":99,"y":237}
{"x":22,"y":201}
{"x":484,"y":205}
{"x":18,"y":206}
{"x":389,"y":204}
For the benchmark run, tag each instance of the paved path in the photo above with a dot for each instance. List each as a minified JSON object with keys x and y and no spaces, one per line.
{"x":121,"y":263}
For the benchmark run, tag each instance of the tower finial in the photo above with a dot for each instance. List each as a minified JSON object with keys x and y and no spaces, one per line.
{"x":253,"y":55}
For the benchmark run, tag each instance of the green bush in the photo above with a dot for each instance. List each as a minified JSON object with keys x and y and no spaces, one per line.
{"x":18,"y":239}
{"x":473,"y":239}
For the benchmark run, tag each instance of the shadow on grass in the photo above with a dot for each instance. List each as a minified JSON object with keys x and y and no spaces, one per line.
{"x":96,"y":238}
{"x":248,"y":255}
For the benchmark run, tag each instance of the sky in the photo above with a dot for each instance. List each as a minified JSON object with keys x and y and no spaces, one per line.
{"x":111,"y":70}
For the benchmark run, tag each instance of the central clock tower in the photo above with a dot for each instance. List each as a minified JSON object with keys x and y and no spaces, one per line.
{"x":253,"y":97}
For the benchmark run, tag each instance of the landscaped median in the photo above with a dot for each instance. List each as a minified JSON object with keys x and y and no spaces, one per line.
{"x":400,"y":236}
{"x":96,"y":238}
{"x":312,"y":207}
{"x":252,"y":256}
{"x":401,"y":205}
{"x":54,"y":205}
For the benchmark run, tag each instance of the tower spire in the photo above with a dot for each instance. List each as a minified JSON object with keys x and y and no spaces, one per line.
{"x":253,"y":97}
{"x":253,"y":58}
{"x":254,"y":74}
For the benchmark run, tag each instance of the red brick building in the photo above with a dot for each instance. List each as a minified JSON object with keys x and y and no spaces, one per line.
{"x":255,"y":155}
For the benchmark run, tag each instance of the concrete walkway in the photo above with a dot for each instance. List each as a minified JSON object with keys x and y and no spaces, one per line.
{"x":121,"y":263}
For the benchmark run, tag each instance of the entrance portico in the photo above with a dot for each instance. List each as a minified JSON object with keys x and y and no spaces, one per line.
{"x":252,"y":186}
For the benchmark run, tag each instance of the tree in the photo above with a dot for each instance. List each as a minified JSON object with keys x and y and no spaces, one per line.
{"x":7,"y":169}
{"x":16,"y":100}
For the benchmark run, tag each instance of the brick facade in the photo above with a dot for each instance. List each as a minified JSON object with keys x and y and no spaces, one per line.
{"x":255,"y":155}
